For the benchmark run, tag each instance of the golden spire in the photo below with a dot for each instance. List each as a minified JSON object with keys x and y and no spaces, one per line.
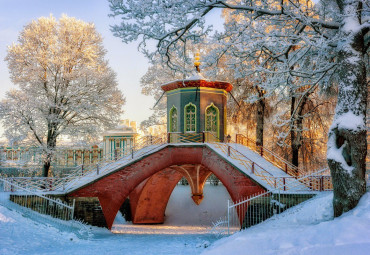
{"x":196,"y":62}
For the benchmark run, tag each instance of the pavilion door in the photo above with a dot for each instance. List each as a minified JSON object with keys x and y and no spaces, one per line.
{"x":212,"y":124}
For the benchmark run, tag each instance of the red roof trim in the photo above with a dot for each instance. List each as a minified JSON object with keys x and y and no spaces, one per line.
{"x":197,"y":83}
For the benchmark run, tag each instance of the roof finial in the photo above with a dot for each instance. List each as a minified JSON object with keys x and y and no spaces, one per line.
{"x":196,"y":62}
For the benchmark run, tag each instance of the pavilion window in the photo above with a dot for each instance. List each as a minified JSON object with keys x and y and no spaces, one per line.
{"x":173,"y":119}
{"x":212,"y":119}
{"x":190,"y":118}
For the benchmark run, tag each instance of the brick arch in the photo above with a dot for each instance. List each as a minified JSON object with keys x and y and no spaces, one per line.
{"x":114,"y":188}
{"x":149,"y":199}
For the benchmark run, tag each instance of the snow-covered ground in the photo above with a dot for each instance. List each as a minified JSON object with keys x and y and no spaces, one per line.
{"x":308,"y":228}
{"x":184,"y":232}
{"x":183,"y":216}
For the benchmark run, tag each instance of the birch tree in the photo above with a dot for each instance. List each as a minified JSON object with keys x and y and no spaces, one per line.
{"x":64,"y":84}
{"x":293,"y":42}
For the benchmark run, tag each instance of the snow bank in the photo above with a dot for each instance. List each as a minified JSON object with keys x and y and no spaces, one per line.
{"x":305,"y":229}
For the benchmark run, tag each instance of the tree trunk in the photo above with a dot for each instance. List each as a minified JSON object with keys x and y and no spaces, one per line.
{"x":261,"y":106}
{"x":347,"y":136}
{"x":49,"y":152}
{"x":296,"y":113}
{"x":46,"y":168}
{"x":294,"y":143}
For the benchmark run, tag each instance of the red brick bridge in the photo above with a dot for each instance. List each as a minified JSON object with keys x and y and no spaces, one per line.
{"x":149,"y":181}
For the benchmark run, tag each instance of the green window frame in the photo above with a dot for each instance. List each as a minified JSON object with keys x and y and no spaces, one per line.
{"x":173,"y":117}
{"x":190,"y":115}
{"x":212,"y":120}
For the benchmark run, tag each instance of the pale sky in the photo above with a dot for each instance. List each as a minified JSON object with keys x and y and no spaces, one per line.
{"x":129,"y":64}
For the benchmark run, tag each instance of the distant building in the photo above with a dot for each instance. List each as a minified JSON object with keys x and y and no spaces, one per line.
{"x":115,"y":142}
{"x":118,"y":140}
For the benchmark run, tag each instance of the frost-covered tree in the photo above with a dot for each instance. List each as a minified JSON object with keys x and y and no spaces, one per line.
{"x":297,"y":46}
{"x":65,"y":86}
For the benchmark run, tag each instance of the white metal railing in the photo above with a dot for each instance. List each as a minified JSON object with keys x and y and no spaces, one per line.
{"x":272,"y":157}
{"x":107,"y":165}
{"x":45,"y":184}
{"x":258,"y":207}
{"x":49,"y":184}
{"x":35,"y":201}
{"x":145,"y":145}
{"x":317,"y":181}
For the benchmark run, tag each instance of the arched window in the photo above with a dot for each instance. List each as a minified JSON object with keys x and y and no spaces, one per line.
{"x":212,"y":120}
{"x":190,"y":118}
{"x":173,"y":119}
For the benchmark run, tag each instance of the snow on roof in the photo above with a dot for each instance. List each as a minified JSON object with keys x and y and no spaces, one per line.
{"x":120,"y":130}
{"x":197,"y":76}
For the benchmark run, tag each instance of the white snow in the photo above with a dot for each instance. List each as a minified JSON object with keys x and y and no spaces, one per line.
{"x":349,"y":121}
{"x":195,"y":77}
{"x":108,"y":168}
{"x":308,"y":228}
{"x":183,"y":216}
{"x":336,"y":154}
{"x":185,"y":230}
{"x":272,"y":170}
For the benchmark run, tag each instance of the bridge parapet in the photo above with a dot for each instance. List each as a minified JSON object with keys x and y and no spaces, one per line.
{"x":192,"y":137}
{"x":235,"y":154}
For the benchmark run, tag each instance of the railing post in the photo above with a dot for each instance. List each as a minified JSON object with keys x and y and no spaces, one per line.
{"x":50,"y":184}
{"x":286,"y":168}
{"x":97,"y":169}
{"x":228,"y":217}
{"x":151,"y":139}
{"x":228,"y":150}
{"x":284,"y":183}
{"x":261,"y":151}
{"x":132,"y":153}
{"x":321,"y":183}
{"x":168,"y":137}
{"x":252,"y":167}
{"x":73,"y":208}
{"x":82,"y":170}
{"x":203,"y":137}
